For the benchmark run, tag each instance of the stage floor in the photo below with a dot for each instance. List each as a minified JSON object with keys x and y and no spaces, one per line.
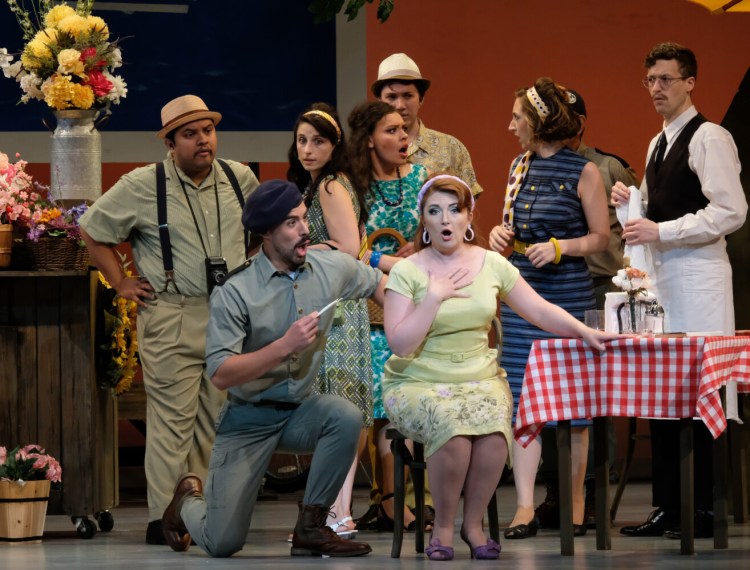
{"x":266,"y":547}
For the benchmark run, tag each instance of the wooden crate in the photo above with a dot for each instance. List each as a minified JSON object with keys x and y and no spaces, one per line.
{"x":49,"y":392}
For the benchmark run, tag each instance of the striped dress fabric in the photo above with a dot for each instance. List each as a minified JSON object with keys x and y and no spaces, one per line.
{"x":547,"y":205}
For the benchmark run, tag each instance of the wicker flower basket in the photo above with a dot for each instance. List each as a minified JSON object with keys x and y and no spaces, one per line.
{"x":374,"y":310}
{"x":58,"y":254}
{"x":23,"y":509}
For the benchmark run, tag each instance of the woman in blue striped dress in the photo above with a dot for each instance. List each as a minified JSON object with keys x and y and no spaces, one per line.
{"x":555,"y":214}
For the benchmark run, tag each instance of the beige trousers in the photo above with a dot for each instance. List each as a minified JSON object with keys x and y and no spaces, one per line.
{"x":181,"y":403}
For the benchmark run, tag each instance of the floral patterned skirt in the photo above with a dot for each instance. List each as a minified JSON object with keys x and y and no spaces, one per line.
{"x":433,"y":413}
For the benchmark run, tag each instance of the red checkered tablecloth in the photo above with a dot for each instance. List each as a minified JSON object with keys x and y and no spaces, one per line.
{"x":635,"y":377}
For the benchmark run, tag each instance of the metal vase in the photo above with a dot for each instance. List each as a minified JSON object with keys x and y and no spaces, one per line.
{"x":76,"y":162}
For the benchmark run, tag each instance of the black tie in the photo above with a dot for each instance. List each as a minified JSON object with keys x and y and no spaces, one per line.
{"x":661,"y":146}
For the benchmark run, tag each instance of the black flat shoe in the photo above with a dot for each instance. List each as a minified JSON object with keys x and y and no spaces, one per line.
{"x":656,"y":524}
{"x":522,"y":530}
{"x":579,"y":529}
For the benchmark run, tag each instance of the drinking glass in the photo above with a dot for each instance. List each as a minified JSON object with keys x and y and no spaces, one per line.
{"x":594,"y":318}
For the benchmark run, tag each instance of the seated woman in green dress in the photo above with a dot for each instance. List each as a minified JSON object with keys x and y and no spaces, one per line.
{"x":443,"y":386}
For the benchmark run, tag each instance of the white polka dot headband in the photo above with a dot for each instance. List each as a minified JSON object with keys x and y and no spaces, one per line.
{"x":536,"y":100}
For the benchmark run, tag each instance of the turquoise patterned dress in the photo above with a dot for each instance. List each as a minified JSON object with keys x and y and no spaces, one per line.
{"x":403,"y":217}
{"x":346,"y":370}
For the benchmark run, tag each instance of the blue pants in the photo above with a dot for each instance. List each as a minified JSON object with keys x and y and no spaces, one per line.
{"x":246,"y":438}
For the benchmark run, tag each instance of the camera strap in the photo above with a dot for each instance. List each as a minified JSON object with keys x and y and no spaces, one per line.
{"x":161,"y":213}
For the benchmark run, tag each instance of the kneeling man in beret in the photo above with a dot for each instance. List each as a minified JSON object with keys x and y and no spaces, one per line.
{"x":265,"y":342}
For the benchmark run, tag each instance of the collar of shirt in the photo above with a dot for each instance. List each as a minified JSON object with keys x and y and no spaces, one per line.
{"x":417,"y":144}
{"x":268,"y":271}
{"x":673,"y":129}
{"x":174,"y":170}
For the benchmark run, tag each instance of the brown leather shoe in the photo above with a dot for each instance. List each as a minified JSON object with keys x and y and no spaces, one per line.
{"x":175,"y":533}
{"x":313,"y":537}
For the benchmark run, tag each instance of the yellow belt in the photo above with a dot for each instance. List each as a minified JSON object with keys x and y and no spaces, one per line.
{"x":455,"y":356}
{"x":521,"y":246}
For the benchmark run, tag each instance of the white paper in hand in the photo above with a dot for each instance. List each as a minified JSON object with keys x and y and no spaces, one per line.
{"x":329,"y":306}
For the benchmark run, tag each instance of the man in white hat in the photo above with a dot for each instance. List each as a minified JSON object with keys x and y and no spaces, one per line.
{"x":179,"y":253}
{"x":401,"y":84}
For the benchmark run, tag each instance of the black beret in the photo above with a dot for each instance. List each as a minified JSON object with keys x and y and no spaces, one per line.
{"x":576,"y":101}
{"x":269,"y":205}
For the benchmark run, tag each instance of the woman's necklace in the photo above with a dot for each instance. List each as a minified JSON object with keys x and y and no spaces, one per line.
{"x":400,"y":191}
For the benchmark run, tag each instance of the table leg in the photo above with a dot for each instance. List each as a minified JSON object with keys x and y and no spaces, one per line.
{"x":601,"y":474}
{"x":687,"y":508}
{"x":564,"y":474}
{"x":739,"y":452}
{"x":738,"y":445}
{"x":721,"y":508}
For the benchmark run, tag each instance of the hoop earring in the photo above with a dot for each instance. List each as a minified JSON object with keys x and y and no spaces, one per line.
{"x":425,"y":236}
{"x":466,"y":237}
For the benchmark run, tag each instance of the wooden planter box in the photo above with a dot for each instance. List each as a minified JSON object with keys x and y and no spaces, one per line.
{"x":22,"y":510}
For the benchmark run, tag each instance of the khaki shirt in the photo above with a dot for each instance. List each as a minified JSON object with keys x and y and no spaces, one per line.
{"x":258,"y":304}
{"x":607,"y":263}
{"x":127,"y":212}
{"x":439,"y":152}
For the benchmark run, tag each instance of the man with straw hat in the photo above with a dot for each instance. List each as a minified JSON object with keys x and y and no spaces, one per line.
{"x":183,"y":219}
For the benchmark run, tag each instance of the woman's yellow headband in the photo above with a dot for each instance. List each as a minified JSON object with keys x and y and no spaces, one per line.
{"x":328,"y":118}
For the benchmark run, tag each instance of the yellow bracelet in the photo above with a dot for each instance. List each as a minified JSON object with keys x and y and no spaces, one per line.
{"x":558,"y":251}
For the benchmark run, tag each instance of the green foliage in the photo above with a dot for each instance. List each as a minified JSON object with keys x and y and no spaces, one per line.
{"x":326,"y":10}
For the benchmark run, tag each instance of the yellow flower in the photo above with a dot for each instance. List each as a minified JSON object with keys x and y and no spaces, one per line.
{"x":61,"y":93}
{"x":74,"y":25}
{"x":58,"y":13}
{"x":49,"y":215}
{"x":39,"y":49}
{"x":97,"y":26}
{"x":70,"y":62}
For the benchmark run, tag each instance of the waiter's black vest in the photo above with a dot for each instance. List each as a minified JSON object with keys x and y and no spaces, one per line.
{"x":675,"y":190}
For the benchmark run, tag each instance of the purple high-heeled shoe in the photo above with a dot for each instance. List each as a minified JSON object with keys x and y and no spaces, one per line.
{"x":489,"y":551}
{"x":437,"y":551}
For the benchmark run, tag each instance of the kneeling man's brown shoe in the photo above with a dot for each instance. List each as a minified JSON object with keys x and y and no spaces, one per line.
{"x":313,"y":537}
{"x":175,"y":533}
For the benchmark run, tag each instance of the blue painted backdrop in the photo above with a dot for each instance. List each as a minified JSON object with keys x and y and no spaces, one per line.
{"x":258,"y":62}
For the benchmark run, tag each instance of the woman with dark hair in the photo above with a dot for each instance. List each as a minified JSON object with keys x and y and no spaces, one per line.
{"x":555,"y":214}
{"x":443,"y":386}
{"x":377,"y":149}
{"x":318,"y":165}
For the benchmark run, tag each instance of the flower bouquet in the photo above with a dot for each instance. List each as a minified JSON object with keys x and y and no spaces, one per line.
{"x":21,"y":198}
{"x":634,"y":282}
{"x":29,"y":463}
{"x":49,"y":229}
{"x":67,"y":59}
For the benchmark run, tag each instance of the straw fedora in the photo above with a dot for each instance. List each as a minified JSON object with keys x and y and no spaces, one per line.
{"x":183,"y":110}
{"x":398,"y":66}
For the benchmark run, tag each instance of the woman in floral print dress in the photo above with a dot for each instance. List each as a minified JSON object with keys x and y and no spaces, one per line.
{"x":443,"y":386}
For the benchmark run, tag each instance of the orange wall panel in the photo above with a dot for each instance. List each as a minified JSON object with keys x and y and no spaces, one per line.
{"x":478,"y":52}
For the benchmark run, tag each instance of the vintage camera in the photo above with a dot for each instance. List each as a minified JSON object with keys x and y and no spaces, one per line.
{"x":216,"y":272}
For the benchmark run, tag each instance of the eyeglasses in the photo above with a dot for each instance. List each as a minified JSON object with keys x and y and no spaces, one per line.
{"x":665,"y":81}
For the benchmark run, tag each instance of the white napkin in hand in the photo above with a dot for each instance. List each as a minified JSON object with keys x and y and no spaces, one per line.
{"x":632,"y":211}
